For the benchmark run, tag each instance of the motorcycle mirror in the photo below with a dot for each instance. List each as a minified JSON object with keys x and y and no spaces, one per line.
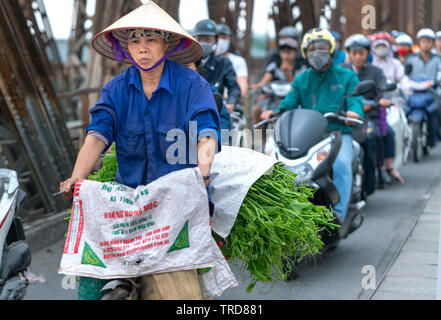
{"x":364,"y":87}
{"x":408,"y":68}
{"x":390,"y":87}
{"x":219,"y":101}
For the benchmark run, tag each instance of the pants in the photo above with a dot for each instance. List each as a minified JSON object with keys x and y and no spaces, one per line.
{"x":389,"y":143}
{"x":343,"y":176}
{"x":373,"y":159}
{"x":433,"y":124}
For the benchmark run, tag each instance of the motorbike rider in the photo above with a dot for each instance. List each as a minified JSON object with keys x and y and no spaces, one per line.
{"x":287,"y":71}
{"x":140,"y":107}
{"x":427,"y":65}
{"x":217,"y":70}
{"x":404,"y":47}
{"x":438,"y":42}
{"x":239,"y":63}
{"x":395,"y":73}
{"x":358,"y":48}
{"x":288,"y":32}
{"x":340,"y":56}
{"x":225,"y":118}
{"x":394,"y":34}
{"x":321,"y":88}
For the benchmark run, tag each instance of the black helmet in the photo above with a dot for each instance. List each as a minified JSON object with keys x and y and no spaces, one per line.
{"x":205,"y":27}
{"x":223,"y":29}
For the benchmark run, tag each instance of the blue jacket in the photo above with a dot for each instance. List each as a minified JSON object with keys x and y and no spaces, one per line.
{"x":157,"y":136}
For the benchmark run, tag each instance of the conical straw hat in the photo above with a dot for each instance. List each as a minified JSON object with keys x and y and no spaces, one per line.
{"x":148,"y":16}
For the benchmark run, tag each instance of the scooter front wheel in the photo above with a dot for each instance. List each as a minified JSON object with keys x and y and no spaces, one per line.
{"x":417,"y":145}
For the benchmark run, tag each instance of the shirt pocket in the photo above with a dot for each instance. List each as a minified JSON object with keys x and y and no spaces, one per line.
{"x":175,"y":130}
{"x":132,"y":142}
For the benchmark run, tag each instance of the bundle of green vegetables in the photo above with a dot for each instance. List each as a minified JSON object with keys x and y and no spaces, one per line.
{"x":276,"y":227}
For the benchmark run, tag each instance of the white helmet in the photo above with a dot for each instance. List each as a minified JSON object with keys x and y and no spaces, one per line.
{"x":426,"y":33}
{"x":438,"y":34}
{"x":404,"y":39}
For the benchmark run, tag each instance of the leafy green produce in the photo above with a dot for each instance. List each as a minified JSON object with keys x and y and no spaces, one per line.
{"x":275,"y":223}
{"x":108,"y":170}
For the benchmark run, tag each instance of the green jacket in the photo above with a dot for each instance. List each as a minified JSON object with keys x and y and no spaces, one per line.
{"x":322,"y":91}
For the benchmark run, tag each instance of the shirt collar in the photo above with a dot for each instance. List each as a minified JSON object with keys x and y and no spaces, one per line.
{"x":164,"y":83}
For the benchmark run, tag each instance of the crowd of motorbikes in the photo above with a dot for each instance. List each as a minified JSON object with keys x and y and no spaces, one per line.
{"x":300,"y":139}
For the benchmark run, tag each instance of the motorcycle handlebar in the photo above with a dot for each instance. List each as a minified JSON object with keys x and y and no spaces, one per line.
{"x":343,"y":120}
{"x":55,"y":195}
{"x":264,"y":122}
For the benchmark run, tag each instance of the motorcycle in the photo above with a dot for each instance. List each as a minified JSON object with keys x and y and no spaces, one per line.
{"x":238,"y":124}
{"x":396,"y":118}
{"x":15,"y":256}
{"x":422,"y":114}
{"x":303,"y":142}
{"x":275,"y":92}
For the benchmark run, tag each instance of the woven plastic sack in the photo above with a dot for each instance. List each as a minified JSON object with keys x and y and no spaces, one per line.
{"x":118,"y":232}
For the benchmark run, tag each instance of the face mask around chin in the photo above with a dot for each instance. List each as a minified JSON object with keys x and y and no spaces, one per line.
{"x":319,"y":59}
{"x":222,"y":47}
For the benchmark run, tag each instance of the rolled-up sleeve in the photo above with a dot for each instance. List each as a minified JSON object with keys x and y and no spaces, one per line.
{"x":203,"y":110}
{"x":104,"y":119}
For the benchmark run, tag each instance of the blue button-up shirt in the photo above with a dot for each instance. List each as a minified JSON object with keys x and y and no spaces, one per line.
{"x":182,"y":101}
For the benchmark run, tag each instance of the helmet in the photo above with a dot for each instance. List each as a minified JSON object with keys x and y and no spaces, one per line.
{"x":315,"y":35}
{"x":205,"y":27}
{"x":438,"y":34}
{"x":381,"y":36}
{"x":395,"y":33}
{"x":426,"y":33}
{"x":289,"y":43}
{"x":223,"y":29}
{"x":357,"y":41}
{"x":336,"y":35}
{"x":404,"y":39}
{"x":289,"y":32}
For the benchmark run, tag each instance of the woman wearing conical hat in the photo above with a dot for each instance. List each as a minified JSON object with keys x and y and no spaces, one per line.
{"x":156,"y":100}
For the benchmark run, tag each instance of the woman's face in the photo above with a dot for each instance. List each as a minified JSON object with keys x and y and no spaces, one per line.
{"x":147,"y":51}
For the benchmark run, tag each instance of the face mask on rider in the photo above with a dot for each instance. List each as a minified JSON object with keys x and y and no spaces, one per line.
{"x":209,"y":48}
{"x":403,"y":51}
{"x":319,"y":59}
{"x":381,"y":51}
{"x":223,"y":46}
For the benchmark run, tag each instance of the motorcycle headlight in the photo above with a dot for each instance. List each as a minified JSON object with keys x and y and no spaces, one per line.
{"x":322,"y":154}
{"x":304,"y":172}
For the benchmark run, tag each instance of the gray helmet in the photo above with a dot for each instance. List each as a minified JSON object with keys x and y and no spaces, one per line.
{"x":357,"y":41}
{"x":289,"y":32}
{"x":205,"y":27}
{"x":223,"y":29}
